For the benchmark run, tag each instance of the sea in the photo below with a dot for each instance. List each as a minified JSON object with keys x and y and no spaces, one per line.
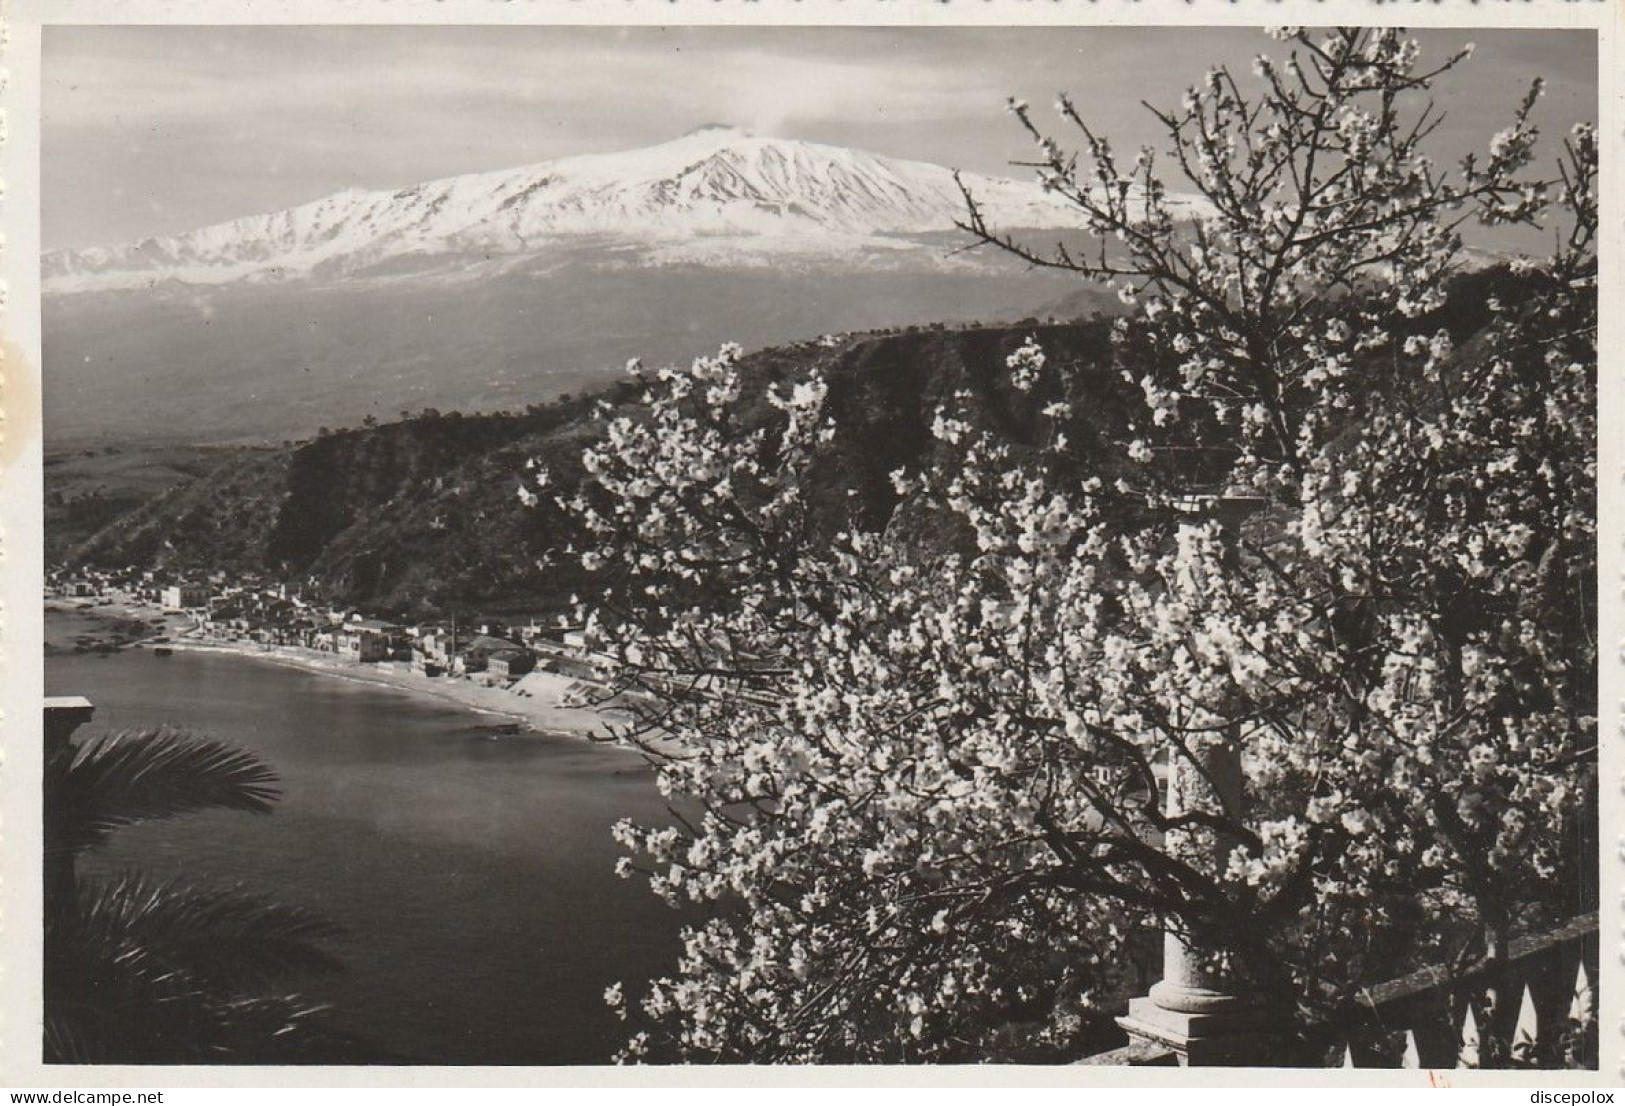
{"x":471,"y":872}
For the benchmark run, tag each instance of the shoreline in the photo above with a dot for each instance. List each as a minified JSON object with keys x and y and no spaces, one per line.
{"x":533,"y":702}
{"x":545,"y":714}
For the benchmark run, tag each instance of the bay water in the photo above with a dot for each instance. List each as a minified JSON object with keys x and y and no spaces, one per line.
{"x":471,"y":872}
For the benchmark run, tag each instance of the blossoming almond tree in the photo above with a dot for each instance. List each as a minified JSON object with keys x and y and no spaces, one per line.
{"x":922,"y":791}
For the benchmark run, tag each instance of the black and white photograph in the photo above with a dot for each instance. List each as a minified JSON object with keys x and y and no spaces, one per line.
{"x":1061,"y":546}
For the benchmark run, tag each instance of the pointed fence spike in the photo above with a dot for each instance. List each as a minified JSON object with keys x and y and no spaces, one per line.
{"x":1348,"y":1055}
{"x":1413,"y":1057}
{"x":1526,"y":1034}
{"x":1580,"y":1008}
{"x":1468,"y":1057}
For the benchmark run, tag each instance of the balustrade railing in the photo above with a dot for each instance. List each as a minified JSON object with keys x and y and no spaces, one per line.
{"x":1537,"y":1008}
{"x":1534,"y":1008}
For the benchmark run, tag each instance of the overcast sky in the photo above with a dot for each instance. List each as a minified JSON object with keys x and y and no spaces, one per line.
{"x":156,"y":130}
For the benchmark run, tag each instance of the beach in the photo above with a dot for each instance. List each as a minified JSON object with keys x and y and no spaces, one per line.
{"x":536,"y":701}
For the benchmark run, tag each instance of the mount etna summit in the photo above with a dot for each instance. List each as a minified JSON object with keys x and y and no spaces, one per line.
{"x":504,"y":288}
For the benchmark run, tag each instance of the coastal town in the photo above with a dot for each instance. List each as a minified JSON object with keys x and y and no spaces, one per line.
{"x":545,"y":675}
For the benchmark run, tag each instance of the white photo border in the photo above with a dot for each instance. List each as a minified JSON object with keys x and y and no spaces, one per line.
{"x":21,"y":466}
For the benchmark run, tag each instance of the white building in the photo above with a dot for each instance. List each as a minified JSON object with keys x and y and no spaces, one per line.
{"x":183,"y":597}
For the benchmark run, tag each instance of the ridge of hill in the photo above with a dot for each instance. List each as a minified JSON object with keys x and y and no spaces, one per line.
{"x":422,"y":515}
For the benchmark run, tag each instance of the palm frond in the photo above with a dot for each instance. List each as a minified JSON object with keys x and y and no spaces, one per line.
{"x":282,"y":1029}
{"x":138,"y":1026}
{"x":143,"y":972}
{"x":127,"y":1019}
{"x":133,"y":776}
{"x":222,"y":937}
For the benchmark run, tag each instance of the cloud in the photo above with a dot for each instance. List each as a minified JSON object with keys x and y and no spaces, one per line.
{"x":97,"y":84}
{"x":774,"y":92}
{"x":153,"y":130}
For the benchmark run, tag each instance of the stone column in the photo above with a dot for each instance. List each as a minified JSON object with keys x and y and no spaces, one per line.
{"x":63,"y":715}
{"x":1199,"y":1009}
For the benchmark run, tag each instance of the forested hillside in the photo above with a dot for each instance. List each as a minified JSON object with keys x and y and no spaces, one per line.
{"x":423,"y":514}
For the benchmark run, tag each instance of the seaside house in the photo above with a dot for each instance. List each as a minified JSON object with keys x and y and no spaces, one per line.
{"x":367,"y":639}
{"x":435,"y":651}
{"x":437,"y":645}
{"x":581,"y":640}
{"x":511,"y":663}
{"x":185,"y":597}
{"x":535,"y":631}
{"x":476,"y":654}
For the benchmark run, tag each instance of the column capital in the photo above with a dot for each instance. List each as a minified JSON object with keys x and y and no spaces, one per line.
{"x":63,"y":715}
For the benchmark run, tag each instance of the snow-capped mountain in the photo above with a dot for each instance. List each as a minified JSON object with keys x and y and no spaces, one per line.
{"x":716,"y":195}
{"x":502,"y":289}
